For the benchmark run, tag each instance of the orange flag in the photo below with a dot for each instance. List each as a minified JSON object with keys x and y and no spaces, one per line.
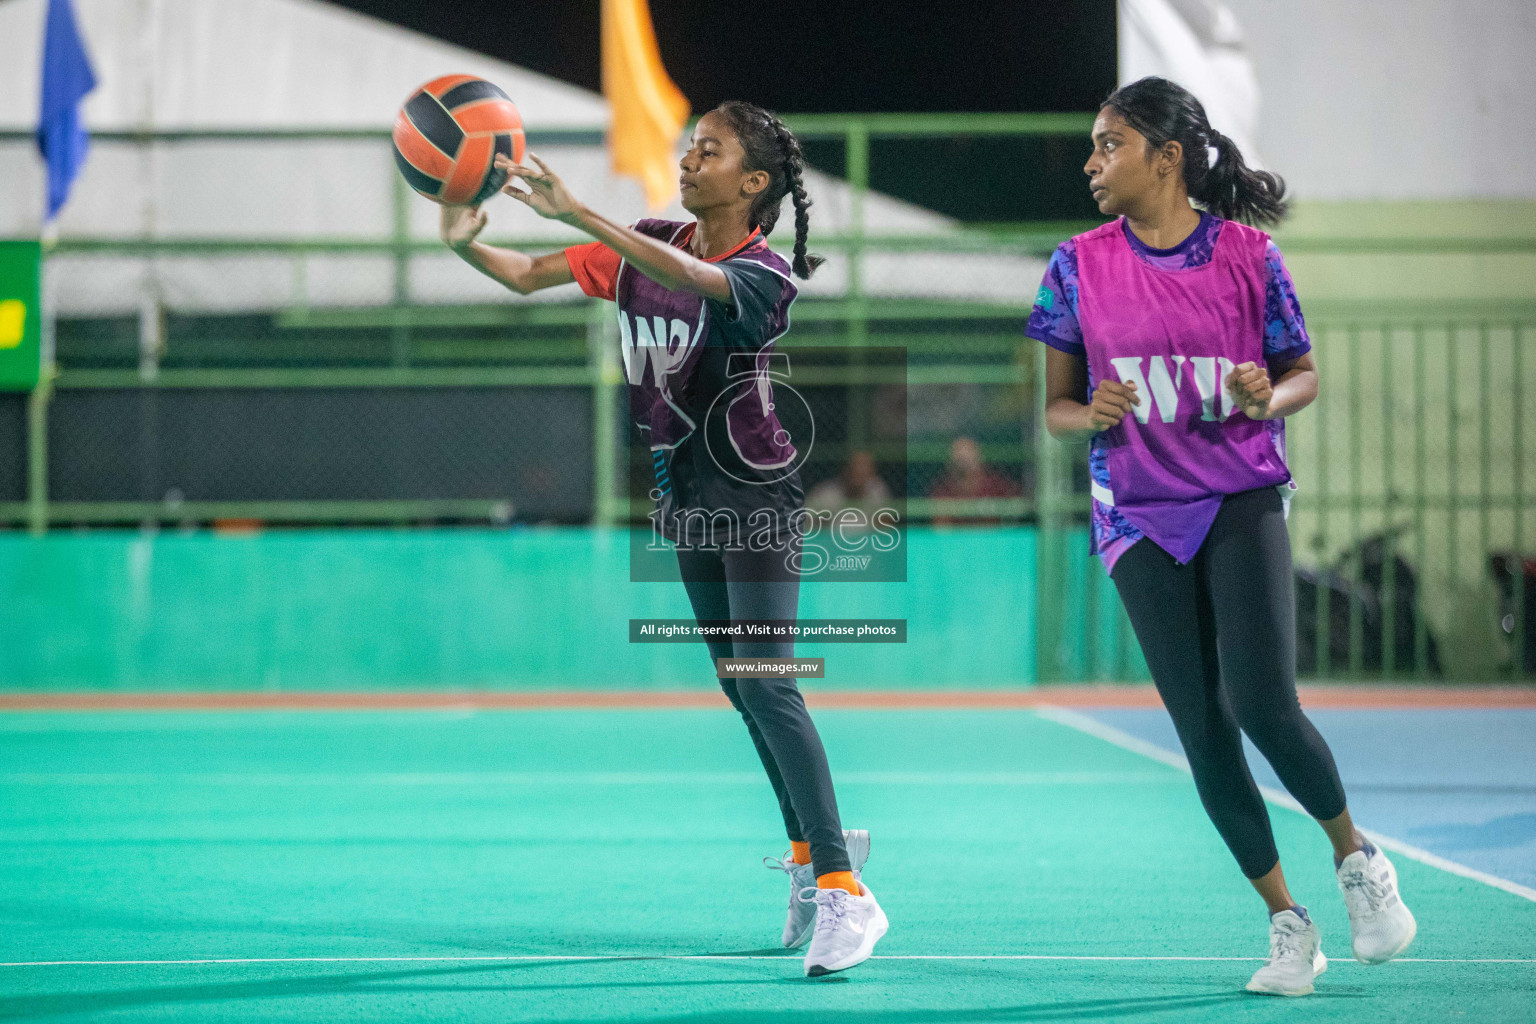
{"x":649,"y":111}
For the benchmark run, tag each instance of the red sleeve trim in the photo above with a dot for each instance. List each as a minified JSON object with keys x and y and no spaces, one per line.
{"x":595,"y":267}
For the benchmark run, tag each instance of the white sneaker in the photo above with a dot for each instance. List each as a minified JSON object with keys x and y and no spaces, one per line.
{"x":802,"y":915}
{"x":1295,"y":957}
{"x":1380,"y":925}
{"x":847,"y":928}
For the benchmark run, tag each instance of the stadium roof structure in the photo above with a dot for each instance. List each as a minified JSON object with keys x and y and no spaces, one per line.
{"x":177,"y":64}
{"x":304,"y":67}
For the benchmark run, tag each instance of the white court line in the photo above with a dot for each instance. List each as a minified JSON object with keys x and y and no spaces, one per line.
{"x":536,"y":778}
{"x":1280,"y":798}
{"x":621,"y":957}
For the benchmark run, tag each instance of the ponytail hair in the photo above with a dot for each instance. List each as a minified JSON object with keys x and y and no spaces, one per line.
{"x":770,"y":146}
{"x":1214,"y":171}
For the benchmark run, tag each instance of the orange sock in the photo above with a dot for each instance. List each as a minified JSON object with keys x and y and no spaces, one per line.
{"x":839,"y":880}
{"x":802,"y":852}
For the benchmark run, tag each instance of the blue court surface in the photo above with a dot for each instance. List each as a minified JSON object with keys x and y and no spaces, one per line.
{"x":1460,"y":783}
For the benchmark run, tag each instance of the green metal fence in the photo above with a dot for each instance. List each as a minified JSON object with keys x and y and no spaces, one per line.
{"x":1409,"y":528}
{"x":1415,"y":478}
{"x":956,"y":344}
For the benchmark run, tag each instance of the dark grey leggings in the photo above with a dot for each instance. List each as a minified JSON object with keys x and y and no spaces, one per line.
{"x":758,"y":585}
{"x":1219,"y":635}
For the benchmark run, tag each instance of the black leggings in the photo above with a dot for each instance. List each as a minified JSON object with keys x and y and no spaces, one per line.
{"x":758,"y":585}
{"x":1219,"y":635}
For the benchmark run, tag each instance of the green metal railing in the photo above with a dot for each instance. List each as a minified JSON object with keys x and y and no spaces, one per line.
{"x":1416,"y":449}
{"x":1419,"y":434}
{"x":1410,"y":523}
{"x":855,"y":316}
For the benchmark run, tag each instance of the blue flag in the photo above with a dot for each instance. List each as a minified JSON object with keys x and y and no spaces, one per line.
{"x":67,"y":77}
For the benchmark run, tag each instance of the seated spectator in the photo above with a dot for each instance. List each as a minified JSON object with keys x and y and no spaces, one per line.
{"x":858,"y":486}
{"x":967,"y":476}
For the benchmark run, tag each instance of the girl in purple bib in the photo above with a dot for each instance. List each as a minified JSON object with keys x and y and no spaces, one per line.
{"x":1177,"y":348}
{"x":700,"y":305}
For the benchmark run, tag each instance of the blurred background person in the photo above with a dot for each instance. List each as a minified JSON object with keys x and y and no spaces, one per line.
{"x":858,"y":486}
{"x":966,"y":475}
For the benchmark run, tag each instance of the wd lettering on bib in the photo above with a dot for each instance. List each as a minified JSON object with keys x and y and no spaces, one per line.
{"x":656,"y":344}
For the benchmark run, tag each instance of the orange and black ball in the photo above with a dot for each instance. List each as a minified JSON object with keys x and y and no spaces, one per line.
{"x":447,"y":136}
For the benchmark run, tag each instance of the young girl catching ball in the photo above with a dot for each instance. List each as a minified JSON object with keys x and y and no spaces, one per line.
{"x":697,"y":301}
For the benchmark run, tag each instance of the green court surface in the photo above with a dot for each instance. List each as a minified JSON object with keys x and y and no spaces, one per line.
{"x":605,"y":866}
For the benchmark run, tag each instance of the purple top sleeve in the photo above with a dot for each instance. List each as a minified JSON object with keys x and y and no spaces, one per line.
{"x":1054,"y":318}
{"x":1285,"y":332}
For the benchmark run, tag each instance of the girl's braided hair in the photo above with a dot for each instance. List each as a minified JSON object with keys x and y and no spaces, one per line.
{"x":770,"y":146}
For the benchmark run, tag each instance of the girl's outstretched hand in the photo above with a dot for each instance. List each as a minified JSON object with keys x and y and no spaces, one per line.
{"x":547,"y":195}
{"x":460,"y":225}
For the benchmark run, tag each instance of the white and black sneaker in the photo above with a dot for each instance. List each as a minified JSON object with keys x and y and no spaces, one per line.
{"x":802,"y":915}
{"x":847,"y":928}
{"x":1295,"y":956}
{"x":1380,"y":925}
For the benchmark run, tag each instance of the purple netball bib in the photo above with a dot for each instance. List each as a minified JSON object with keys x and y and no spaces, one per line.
{"x":1177,"y":334}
